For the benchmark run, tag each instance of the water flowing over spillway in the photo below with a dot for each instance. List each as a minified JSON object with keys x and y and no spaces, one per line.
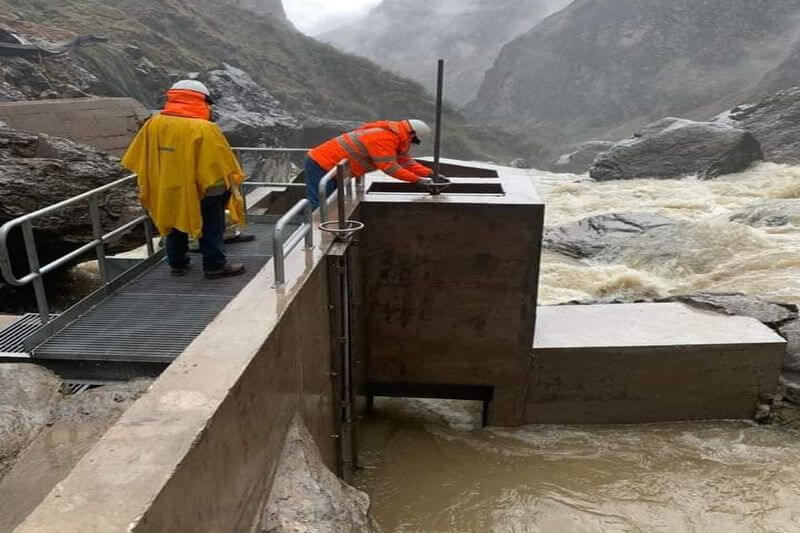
{"x":430,"y":468}
{"x":714,"y":254}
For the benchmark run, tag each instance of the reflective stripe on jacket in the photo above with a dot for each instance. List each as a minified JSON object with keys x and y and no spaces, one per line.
{"x":379,"y":145}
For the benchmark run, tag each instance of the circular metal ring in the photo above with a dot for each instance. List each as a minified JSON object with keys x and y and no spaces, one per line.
{"x":353,"y":227}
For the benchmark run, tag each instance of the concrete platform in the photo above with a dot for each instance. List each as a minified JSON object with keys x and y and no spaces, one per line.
{"x":654,"y":362}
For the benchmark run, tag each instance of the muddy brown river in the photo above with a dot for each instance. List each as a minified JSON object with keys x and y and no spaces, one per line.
{"x":429,"y":468}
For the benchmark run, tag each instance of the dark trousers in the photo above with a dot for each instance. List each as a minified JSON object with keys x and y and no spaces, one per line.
{"x":314,"y":173}
{"x":212,"y":209}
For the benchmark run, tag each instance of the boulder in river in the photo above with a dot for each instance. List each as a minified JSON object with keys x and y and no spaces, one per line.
{"x":791,"y":332}
{"x":674,"y":148}
{"x":773,"y":213}
{"x":775,"y":121}
{"x":581,"y":160}
{"x":770,"y":313}
{"x":592,"y":235}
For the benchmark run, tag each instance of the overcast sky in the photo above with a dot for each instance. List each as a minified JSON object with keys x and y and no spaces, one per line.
{"x":318,"y":16}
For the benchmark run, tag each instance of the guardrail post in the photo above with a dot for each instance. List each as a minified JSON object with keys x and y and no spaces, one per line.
{"x":97,"y":232}
{"x":277,"y":255}
{"x":309,"y":212}
{"x":33,"y":262}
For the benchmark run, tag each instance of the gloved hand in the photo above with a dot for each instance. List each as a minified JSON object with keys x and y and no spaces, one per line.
{"x":425,"y":182}
{"x":439,"y":178}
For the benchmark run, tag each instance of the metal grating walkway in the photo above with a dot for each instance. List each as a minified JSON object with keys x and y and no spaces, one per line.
{"x":13,"y":336}
{"x":156,"y":316}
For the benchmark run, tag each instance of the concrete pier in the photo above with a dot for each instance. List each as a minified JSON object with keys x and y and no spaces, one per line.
{"x":649,"y":362}
{"x":451,"y":286}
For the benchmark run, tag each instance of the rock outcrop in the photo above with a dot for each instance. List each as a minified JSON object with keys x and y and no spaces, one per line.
{"x":601,"y":68}
{"x":153,"y":43}
{"x":581,"y":160}
{"x":308,"y":497}
{"x":247,"y":113}
{"x":675,"y":148}
{"x":592,"y":235}
{"x":775,"y":122}
{"x":38,"y":170}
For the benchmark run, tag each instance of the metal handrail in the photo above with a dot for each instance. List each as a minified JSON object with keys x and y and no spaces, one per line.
{"x":281,"y":247}
{"x":98,"y":243}
{"x":323,"y":189}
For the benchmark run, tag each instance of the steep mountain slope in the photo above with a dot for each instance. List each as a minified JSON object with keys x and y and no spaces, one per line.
{"x":602,"y":68}
{"x":153,"y":42}
{"x":407,"y":36}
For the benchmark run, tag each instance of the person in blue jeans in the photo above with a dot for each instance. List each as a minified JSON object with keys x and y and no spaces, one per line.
{"x":384,"y":145}
{"x":212,"y":208}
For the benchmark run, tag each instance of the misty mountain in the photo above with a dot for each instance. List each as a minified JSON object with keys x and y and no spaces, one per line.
{"x":152,"y":43}
{"x":408,"y":36}
{"x":270,"y":8}
{"x":604,"y":68}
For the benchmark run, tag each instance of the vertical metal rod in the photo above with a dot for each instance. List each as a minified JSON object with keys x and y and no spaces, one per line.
{"x":97,"y":232}
{"x":33,"y":262}
{"x":309,"y":212}
{"x":348,"y":435}
{"x":437,"y":140}
{"x":148,"y":234}
{"x":277,"y":256}
{"x":341,"y":182}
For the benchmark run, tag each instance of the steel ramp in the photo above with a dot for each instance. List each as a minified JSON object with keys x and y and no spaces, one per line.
{"x":12,"y":337}
{"x":154,"y":317}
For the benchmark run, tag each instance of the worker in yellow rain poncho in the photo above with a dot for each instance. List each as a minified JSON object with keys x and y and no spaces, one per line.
{"x":188,"y":175}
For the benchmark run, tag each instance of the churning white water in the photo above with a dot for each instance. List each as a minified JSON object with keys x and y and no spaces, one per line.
{"x":709,"y":253}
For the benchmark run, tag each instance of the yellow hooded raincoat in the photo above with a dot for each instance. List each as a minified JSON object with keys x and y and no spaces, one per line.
{"x":176,"y":160}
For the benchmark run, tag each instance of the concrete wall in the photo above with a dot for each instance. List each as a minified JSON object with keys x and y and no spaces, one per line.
{"x":105,"y":123}
{"x":451,"y":295}
{"x":197,"y":453}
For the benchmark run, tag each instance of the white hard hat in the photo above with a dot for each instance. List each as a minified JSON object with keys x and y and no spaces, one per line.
{"x":420,"y":129}
{"x":191,"y":85}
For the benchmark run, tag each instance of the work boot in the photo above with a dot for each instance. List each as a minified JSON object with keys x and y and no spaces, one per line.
{"x":181,"y":270}
{"x":229,"y":270}
{"x":240,"y":237}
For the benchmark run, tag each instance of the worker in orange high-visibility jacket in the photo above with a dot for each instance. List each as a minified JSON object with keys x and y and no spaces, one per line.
{"x":382,"y":145}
